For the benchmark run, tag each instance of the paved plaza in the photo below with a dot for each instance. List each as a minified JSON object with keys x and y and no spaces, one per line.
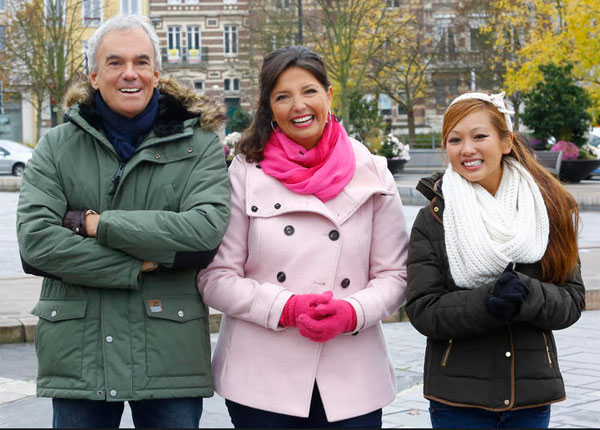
{"x":578,"y":345}
{"x":578,"y":348}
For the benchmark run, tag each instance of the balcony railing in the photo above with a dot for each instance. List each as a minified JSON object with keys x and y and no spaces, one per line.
{"x":184,"y":57}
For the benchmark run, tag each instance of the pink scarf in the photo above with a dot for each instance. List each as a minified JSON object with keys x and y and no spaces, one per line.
{"x":323,"y":170}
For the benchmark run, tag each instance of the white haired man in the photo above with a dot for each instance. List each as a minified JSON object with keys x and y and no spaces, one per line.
{"x":119,"y":209}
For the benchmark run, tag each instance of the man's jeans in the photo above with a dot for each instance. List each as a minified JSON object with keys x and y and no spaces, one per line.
{"x":158,"y":413}
{"x":445,"y":416}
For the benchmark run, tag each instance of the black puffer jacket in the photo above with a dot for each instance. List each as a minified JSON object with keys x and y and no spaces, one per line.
{"x":473,"y":359}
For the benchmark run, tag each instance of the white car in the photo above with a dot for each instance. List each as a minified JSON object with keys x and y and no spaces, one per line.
{"x":13,"y":157}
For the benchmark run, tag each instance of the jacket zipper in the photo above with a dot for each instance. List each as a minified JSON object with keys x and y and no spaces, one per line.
{"x":117,"y":178}
{"x":547,"y":350}
{"x":447,"y":353}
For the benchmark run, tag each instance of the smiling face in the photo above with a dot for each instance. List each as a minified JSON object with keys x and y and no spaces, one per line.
{"x":475,"y":149}
{"x":125,"y":75}
{"x":300,"y":106}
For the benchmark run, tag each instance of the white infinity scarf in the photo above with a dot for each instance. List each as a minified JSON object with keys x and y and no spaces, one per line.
{"x":484,"y":233}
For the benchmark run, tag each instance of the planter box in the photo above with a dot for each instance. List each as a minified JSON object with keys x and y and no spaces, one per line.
{"x":575,"y":170}
{"x":395,"y":166}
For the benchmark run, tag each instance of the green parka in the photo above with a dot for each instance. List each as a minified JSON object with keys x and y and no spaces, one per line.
{"x":472,"y":359}
{"x":106,"y":331}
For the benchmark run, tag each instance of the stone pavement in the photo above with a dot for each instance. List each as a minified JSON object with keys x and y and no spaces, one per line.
{"x":577,"y":345}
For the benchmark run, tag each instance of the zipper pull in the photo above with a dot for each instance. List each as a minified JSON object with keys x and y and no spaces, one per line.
{"x":117,"y":178}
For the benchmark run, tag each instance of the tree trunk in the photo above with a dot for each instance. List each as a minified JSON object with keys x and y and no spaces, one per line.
{"x":38,"y":120}
{"x":59,"y":113}
{"x":411,"y":126}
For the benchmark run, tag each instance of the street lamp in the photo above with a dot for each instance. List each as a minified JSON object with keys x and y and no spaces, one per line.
{"x":300,"y":36}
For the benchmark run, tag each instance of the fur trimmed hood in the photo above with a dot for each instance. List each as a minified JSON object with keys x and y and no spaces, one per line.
{"x":186,"y":102}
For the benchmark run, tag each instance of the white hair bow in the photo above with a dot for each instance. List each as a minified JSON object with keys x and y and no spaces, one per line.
{"x":496,"y":99}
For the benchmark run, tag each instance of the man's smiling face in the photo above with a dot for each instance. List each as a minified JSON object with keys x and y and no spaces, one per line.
{"x":125,"y":74}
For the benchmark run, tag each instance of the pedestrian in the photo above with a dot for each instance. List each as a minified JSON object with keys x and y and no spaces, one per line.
{"x":119,"y":208}
{"x":312,"y":261}
{"x":493,"y":268}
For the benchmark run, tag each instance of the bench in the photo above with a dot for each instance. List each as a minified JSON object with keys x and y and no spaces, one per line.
{"x":550,"y":160}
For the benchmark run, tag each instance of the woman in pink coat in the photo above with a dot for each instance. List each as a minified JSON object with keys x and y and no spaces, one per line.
{"x":313,"y":259}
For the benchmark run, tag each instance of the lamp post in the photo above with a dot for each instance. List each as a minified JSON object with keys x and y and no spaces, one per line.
{"x":300,"y":37}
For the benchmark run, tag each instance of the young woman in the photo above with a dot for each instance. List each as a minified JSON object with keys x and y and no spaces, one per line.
{"x":493,"y":268}
{"x":313,"y":259}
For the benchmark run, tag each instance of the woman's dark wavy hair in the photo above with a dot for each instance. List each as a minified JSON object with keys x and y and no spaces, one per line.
{"x":255,"y":138}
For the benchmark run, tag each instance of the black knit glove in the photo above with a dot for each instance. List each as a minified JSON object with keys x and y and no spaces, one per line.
{"x":507,"y":296}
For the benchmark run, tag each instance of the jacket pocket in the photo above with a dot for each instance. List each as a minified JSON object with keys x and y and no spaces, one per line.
{"x":446,"y":354}
{"x":59,"y":336}
{"x":177,"y":336}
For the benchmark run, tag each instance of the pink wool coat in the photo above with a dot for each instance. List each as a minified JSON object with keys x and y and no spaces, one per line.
{"x":281,"y":243}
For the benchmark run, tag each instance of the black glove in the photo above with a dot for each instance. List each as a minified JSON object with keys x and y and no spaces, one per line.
{"x":75,"y":221}
{"x":507,"y":296}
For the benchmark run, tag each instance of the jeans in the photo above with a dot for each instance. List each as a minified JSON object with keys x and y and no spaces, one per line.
{"x":247,"y":417}
{"x":445,"y":416}
{"x":157,"y":413}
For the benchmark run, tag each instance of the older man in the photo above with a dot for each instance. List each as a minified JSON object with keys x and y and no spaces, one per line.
{"x":119,"y":208}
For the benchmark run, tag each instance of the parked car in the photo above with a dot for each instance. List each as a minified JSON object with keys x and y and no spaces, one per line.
{"x":14,"y":157}
{"x":595,"y":143}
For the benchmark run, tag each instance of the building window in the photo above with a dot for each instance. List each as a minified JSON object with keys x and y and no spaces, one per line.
{"x":193,"y":44}
{"x":92,"y":13}
{"x":478,"y":40}
{"x":440,"y":94}
{"x":173,"y":1}
{"x":230,"y":40}
{"x":393,"y":3}
{"x":402,"y":109}
{"x":2,"y":41}
{"x":229,"y":1}
{"x":231,"y":84}
{"x":130,"y":7}
{"x":199,"y":85}
{"x":55,"y":9}
{"x":174,"y":44}
{"x":444,"y":35}
{"x":2,"y":6}
{"x":283,"y":4}
{"x":384,"y":104}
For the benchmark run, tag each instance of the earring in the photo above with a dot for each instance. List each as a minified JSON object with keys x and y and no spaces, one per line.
{"x":273,"y":125}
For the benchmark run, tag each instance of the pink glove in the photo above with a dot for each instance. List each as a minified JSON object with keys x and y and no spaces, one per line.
{"x":343,"y":320}
{"x":305,"y":304}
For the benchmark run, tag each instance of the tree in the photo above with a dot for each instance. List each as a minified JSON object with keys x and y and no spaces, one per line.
{"x":551,"y":32}
{"x":239,"y":121}
{"x":400,"y":71}
{"x":556,"y":106}
{"x":44,"y":48}
{"x":348,"y":34}
{"x":365,"y":119}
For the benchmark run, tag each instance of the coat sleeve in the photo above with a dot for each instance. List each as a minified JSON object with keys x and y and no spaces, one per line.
{"x":185,"y":239}
{"x":50,"y":250}
{"x":552,"y":307}
{"x":386,"y":290}
{"x":433,"y":308}
{"x":223,"y":284}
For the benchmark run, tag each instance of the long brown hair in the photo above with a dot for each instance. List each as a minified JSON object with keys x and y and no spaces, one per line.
{"x":561,"y":254}
{"x":254,"y":140}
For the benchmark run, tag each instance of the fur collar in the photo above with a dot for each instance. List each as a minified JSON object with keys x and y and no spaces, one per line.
{"x":176,"y":104}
